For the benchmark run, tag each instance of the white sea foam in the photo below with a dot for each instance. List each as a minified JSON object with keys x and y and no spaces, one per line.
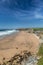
{"x":7,"y":32}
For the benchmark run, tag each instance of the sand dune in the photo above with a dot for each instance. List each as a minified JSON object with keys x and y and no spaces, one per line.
{"x":15,"y":44}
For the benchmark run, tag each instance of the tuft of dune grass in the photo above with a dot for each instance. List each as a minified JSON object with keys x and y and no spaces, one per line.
{"x":40,"y":53}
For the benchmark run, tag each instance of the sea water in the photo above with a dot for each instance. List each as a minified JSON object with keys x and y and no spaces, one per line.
{"x":6,"y":32}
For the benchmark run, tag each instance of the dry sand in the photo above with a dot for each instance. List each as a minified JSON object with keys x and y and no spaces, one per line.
{"x":15,"y":44}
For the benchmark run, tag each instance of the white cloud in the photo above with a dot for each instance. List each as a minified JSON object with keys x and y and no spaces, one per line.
{"x":38,"y":13}
{"x":38,"y":16}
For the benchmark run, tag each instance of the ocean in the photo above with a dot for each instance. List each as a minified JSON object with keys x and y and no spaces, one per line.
{"x":4,"y":32}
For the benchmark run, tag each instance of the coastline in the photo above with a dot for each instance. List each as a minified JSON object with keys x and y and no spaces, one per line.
{"x":6,"y":33}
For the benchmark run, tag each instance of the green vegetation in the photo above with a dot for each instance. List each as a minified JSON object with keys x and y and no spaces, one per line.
{"x":40,"y":62}
{"x":34,"y":29}
{"x":37,"y":29}
{"x":40,"y":53}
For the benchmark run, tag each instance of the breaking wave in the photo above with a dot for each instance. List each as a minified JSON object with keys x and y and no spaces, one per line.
{"x":7,"y":32}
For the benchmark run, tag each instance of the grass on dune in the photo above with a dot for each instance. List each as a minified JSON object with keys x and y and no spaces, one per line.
{"x":40,"y":62}
{"x":40,"y":53}
{"x":37,"y":29}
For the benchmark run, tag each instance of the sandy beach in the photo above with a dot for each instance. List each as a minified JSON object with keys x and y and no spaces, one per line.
{"x":17,"y":44}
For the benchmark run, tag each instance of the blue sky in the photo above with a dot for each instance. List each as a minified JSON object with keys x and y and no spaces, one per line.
{"x":21,"y":13}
